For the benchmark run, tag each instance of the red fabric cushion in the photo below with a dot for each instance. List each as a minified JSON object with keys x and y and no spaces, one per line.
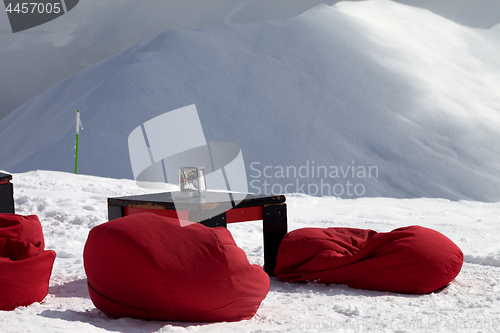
{"x":25,"y":267}
{"x":148,"y":266}
{"x":23,"y":228}
{"x":412,"y":259}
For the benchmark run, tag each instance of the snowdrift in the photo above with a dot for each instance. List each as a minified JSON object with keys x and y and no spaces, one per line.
{"x":70,"y":205}
{"x":45,"y":55}
{"x":357,"y":86}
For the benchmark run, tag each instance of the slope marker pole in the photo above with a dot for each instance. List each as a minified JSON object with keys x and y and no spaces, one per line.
{"x":78,"y":125}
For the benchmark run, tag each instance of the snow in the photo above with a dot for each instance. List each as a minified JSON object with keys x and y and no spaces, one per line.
{"x":371,"y":84}
{"x":473,"y":13}
{"x":70,"y":205}
{"x":95,"y":30}
{"x":358,"y":84}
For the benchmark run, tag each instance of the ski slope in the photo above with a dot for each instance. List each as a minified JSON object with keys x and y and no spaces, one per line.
{"x":376,"y":85}
{"x":372,"y":85}
{"x":43,"y":56}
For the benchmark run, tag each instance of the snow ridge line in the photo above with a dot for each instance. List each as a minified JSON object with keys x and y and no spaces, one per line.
{"x":489,"y":260}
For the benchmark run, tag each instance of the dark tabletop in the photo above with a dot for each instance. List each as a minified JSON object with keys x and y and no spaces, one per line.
{"x":166,"y":200}
{"x":5,"y":176}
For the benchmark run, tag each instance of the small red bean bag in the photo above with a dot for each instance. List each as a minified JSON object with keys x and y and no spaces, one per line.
{"x":413,"y":259}
{"x":25,"y":267}
{"x":148,"y":266}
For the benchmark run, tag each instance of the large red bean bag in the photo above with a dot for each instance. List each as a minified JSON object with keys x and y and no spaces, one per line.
{"x":25,"y":267}
{"x":148,"y":266}
{"x":413,"y":259}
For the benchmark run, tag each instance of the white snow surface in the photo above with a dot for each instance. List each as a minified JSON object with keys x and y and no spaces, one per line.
{"x":70,"y":205}
{"x":40,"y":57}
{"x":355,"y":85}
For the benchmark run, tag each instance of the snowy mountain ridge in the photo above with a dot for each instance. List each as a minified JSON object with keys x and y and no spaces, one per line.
{"x":43,"y":56}
{"x":370,"y":84}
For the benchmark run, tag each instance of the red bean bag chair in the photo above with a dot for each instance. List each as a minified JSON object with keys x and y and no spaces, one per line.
{"x":25,"y":267}
{"x":148,"y":266}
{"x":412,"y":260}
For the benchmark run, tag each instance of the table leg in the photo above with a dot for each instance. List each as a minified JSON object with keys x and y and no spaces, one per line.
{"x":7,"y":198}
{"x":115,"y":212}
{"x":275,"y":227}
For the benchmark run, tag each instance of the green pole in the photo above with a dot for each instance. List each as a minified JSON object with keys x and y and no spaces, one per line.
{"x":76,"y":156}
{"x":78,"y":125}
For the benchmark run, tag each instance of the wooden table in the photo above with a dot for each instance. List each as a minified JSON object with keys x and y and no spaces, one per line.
{"x":270,"y":209}
{"x":6,"y":194}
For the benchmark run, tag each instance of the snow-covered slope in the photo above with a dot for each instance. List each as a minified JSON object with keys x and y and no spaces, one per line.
{"x":474,"y":13}
{"x":34,"y":60}
{"x":357,"y":85}
{"x":70,"y":205}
